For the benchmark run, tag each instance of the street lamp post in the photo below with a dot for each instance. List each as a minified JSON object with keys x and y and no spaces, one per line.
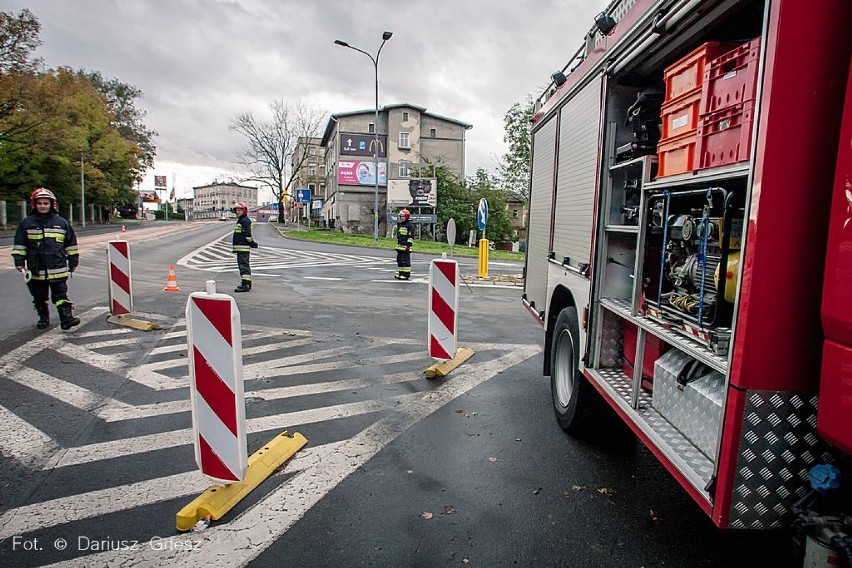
{"x":385,"y":36}
{"x":83,"y":187}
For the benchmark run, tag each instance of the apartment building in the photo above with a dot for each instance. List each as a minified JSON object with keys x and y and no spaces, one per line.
{"x":215,"y":200}
{"x":408,"y":136}
{"x":308,"y":161}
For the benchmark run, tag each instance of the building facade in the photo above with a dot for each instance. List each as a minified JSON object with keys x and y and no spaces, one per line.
{"x":408,"y":137}
{"x":308,"y":161}
{"x":214,"y":201}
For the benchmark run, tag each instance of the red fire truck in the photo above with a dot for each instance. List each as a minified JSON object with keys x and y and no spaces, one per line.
{"x":681,"y":184}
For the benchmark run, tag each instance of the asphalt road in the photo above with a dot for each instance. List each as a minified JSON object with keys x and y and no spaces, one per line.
{"x":399,"y":470}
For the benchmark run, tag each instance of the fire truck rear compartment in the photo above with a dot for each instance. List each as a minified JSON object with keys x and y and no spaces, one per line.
{"x":668,"y":254}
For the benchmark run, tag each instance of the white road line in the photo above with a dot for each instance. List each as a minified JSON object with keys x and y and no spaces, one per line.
{"x":121,"y":411}
{"x":321,"y":278}
{"x":19,"y":439}
{"x":244,"y":538}
{"x":174,"y":438}
{"x":22,"y":441}
{"x":68,"y":393}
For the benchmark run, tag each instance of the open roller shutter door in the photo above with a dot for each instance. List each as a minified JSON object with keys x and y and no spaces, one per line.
{"x":577,"y":175}
{"x":541,"y":203}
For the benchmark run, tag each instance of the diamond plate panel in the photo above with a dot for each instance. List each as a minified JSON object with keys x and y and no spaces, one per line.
{"x":778,"y":446}
{"x":695,"y":409}
{"x":674,"y":442}
{"x":612,"y":340}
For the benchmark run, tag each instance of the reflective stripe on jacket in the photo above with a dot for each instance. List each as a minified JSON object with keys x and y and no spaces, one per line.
{"x":404,"y":235}
{"x":242,"y":239}
{"x":46,"y":245}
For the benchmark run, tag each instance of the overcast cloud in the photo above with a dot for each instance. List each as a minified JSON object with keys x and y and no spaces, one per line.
{"x":200,"y":62}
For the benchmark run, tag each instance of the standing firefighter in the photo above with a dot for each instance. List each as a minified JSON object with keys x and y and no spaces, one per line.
{"x":45,"y":251}
{"x":404,"y":240}
{"x":242,"y":244}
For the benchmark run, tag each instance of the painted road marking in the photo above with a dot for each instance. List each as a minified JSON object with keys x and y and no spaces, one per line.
{"x":305,"y":480}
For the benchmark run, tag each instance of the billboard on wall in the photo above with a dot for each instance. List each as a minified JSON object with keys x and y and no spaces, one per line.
{"x":362,"y":144}
{"x":415,"y":192}
{"x":160,"y":182}
{"x":361,"y":173}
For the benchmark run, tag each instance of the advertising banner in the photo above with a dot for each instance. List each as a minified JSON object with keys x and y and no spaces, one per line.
{"x":362,"y":144}
{"x":160,"y":182}
{"x":361,"y":173}
{"x":414,"y":192}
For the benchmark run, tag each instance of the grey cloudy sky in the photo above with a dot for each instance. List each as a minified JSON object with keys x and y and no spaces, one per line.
{"x":200,"y":62}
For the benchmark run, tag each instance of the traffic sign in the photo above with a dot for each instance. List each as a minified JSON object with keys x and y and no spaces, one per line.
{"x":482,"y":214}
{"x":303,"y":195}
{"x":451,"y":232}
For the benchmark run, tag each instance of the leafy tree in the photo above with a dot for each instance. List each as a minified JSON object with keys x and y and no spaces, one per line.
{"x":129,"y":120}
{"x":514,"y":166}
{"x":18,"y":40}
{"x":54,"y":123}
{"x":499,"y":226}
{"x":459,"y":200}
{"x":270,"y":153}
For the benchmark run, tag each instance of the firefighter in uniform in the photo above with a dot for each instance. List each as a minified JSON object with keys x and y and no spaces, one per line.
{"x":45,"y":252}
{"x":241,"y":245}
{"x":404,"y":240}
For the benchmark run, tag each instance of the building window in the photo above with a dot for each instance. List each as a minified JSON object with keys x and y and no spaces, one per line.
{"x":514,"y":213}
{"x":312,"y":169}
{"x":403,"y":169}
{"x":403,"y":140}
{"x":371,"y":128}
{"x":405,"y":117}
{"x":433,"y":132}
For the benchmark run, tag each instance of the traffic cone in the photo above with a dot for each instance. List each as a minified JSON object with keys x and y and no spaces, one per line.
{"x":171,"y":281}
{"x":123,"y":230}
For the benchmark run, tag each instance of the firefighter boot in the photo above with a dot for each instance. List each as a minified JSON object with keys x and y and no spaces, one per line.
{"x":43,"y":316}
{"x":66,"y":317}
{"x":245,"y":286}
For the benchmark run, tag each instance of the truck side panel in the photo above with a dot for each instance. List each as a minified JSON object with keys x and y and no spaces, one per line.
{"x":835,"y":390}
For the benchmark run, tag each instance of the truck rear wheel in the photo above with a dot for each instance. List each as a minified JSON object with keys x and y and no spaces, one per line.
{"x":569,"y":390}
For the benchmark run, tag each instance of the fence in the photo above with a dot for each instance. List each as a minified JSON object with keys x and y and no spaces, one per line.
{"x":11,"y":213}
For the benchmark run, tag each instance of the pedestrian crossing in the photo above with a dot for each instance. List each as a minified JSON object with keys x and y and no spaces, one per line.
{"x":217,"y":257}
{"x":117,"y":437}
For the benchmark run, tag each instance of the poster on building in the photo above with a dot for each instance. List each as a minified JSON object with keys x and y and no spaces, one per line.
{"x":361,"y":173}
{"x":362,"y":144}
{"x":416,"y":192}
{"x":160,"y":182}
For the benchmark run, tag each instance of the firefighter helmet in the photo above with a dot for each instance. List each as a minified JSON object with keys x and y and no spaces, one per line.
{"x":239,"y":205}
{"x":43,"y":193}
{"x":404,"y":215}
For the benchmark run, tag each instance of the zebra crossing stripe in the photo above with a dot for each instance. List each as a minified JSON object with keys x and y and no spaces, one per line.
{"x":216,"y":385}
{"x":443,"y":308}
{"x":120,"y":289}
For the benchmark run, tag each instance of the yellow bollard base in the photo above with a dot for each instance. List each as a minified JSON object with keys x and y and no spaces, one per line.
{"x":444,"y":368}
{"x":219,"y":499}
{"x":141,"y":325}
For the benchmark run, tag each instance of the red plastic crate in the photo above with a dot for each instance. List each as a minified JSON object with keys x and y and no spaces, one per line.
{"x":684,"y":77}
{"x":724,"y":137}
{"x":731,"y":79}
{"x":681,"y":116}
{"x":677,"y":155}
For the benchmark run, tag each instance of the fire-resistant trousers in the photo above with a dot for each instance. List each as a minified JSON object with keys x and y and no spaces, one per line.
{"x":244,"y":265}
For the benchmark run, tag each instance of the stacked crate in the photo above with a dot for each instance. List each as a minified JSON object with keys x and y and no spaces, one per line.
{"x":727,"y":107}
{"x":681,"y":108}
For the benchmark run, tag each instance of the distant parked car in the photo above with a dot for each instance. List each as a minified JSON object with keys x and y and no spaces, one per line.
{"x":127,"y":211}
{"x":223,"y":218}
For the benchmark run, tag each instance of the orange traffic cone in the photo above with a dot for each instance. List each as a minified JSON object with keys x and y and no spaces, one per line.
{"x":123,"y":230}
{"x":171,"y":282}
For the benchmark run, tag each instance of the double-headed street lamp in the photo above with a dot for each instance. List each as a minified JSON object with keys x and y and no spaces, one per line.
{"x":385,"y":36}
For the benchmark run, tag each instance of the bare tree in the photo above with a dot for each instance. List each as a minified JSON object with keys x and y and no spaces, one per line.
{"x":270,"y":153}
